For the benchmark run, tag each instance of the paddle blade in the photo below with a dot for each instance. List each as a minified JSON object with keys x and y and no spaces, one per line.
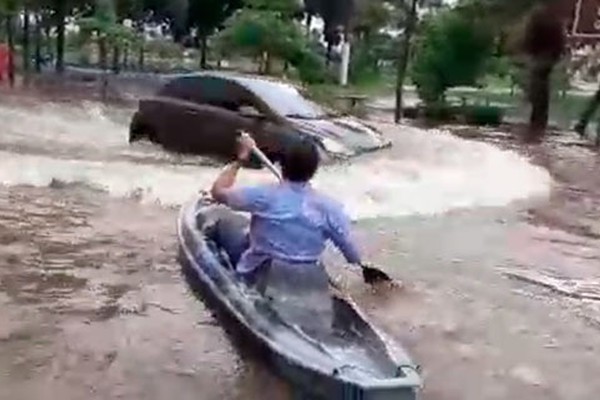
{"x":373,"y":275}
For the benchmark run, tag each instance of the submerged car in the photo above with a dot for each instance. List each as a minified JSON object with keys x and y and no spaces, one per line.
{"x":202,"y":113}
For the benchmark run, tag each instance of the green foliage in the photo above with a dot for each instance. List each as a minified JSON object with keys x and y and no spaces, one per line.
{"x":310,"y":67}
{"x":164,"y":49}
{"x":281,"y":7}
{"x":372,"y":15}
{"x":560,"y":81}
{"x":483,"y":115}
{"x":452,"y":50}
{"x":104,"y":24}
{"x":9,"y":7}
{"x":207,"y":16}
{"x":255,"y":32}
{"x":258,"y":31}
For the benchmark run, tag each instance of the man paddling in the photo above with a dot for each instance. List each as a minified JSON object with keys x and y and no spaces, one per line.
{"x":290,"y":221}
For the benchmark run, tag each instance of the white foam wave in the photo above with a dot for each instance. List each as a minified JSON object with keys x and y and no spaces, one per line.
{"x":427,"y":171}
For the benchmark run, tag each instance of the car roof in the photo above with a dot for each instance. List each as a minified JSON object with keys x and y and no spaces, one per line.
{"x":252,"y":82}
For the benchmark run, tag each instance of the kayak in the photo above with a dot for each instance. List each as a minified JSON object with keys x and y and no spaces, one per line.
{"x":347,"y":358}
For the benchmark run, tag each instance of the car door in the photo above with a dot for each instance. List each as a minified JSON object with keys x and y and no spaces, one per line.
{"x":255,"y":117}
{"x":177,"y":114}
{"x":193,"y":118}
{"x":222,"y":101}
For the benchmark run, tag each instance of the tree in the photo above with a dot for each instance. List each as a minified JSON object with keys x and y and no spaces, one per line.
{"x":60,"y":13}
{"x":261,"y":32}
{"x":539,"y":38}
{"x":207,"y":16}
{"x":337,"y":16}
{"x":266,"y":30}
{"x":451,"y":51}
{"x":26,"y":48}
{"x":108,"y":32}
{"x":37,"y":38}
{"x":371,"y":16}
{"x":402,"y":63}
{"x":544,"y":43}
{"x":369,"y":43}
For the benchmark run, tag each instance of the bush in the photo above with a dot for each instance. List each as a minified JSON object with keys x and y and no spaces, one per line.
{"x":439,"y":112}
{"x":479,"y":115}
{"x":451,"y":51}
{"x":483,"y":115}
{"x":311,"y":69}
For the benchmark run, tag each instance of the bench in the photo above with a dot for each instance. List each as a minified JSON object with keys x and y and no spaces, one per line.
{"x":355,"y":101}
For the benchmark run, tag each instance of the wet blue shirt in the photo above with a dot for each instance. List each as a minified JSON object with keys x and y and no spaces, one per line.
{"x":291,"y":222}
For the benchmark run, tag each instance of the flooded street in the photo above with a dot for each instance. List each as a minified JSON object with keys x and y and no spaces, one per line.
{"x":500,"y":260}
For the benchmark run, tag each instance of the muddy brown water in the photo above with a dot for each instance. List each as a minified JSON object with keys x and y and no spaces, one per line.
{"x":498,"y":302}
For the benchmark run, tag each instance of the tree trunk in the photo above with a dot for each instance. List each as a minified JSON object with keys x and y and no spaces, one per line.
{"x":11,"y":49}
{"x":49,"y":48}
{"x":125,"y":55}
{"x":328,"y":55}
{"x":38,"y":42}
{"x":309,"y":19}
{"x":102,"y":53}
{"x":539,"y":97}
{"x":26,"y":49}
{"x":141,"y":57}
{"x":116,"y":66}
{"x":268,"y":63}
{"x":60,"y":35}
{"x":403,"y":60}
{"x":203,"y":51}
{"x":588,"y":113}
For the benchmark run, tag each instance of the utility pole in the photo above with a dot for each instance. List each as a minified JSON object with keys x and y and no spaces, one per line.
{"x":345,"y":65}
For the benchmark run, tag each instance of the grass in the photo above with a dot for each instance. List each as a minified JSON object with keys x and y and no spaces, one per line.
{"x":374,"y":86}
{"x":564,"y":110}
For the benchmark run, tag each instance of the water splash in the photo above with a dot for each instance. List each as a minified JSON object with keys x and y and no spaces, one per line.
{"x":426,"y":172}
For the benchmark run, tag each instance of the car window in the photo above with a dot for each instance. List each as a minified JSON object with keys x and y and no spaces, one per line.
{"x":210,"y":90}
{"x":215,"y":91}
{"x":285,"y":99}
{"x":226,"y":94}
{"x":182,"y":88}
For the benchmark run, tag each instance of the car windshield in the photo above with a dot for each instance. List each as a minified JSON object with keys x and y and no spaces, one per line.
{"x":285,"y":99}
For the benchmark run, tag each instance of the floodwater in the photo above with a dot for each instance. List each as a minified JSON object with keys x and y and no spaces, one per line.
{"x":499,"y":259}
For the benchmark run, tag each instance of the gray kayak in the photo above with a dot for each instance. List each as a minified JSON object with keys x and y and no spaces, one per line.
{"x":344,"y":357}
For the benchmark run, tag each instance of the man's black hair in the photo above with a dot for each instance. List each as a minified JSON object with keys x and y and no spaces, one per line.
{"x":300,"y":161}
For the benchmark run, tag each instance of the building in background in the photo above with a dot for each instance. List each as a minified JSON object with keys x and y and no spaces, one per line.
{"x":584,"y":22}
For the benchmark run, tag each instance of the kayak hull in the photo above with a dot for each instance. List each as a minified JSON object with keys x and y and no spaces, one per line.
{"x":308,"y":365}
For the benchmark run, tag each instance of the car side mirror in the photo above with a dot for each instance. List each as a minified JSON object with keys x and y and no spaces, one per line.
{"x":250,"y":112}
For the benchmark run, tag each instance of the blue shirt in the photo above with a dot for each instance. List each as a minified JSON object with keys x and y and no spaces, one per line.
{"x":290,"y":222}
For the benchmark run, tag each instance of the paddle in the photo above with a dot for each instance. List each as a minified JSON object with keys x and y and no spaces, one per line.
{"x":371,"y":275}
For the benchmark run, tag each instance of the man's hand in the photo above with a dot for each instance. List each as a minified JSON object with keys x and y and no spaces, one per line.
{"x":245,"y":146}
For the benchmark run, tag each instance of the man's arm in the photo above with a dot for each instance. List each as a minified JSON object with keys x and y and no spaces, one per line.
{"x":339,"y":228}
{"x":225,"y":181}
{"x":251,"y":199}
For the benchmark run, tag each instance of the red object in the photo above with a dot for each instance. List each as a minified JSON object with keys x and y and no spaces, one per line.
{"x":4,"y":60}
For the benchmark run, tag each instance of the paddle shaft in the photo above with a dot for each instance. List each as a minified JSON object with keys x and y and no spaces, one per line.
{"x":267,"y":163}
